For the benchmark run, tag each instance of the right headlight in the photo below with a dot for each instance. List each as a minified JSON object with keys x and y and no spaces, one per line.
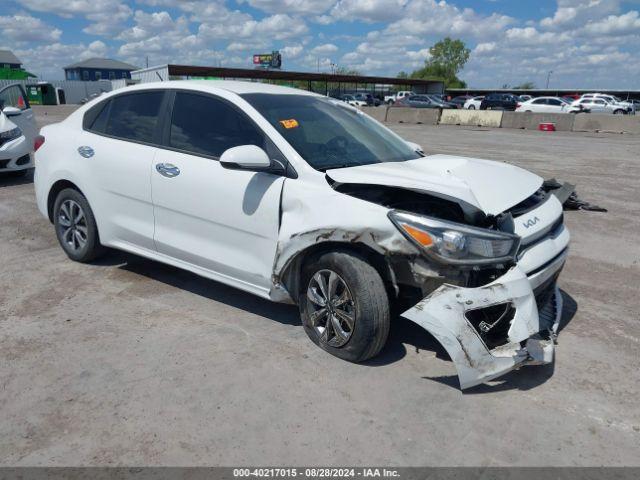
{"x":455,"y":243}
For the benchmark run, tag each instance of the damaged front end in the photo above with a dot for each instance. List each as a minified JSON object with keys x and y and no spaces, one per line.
{"x":490,"y":330}
{"x":483,"y":284}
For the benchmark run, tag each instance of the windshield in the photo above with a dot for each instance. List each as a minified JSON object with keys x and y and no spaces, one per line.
{"x":328,"y":134}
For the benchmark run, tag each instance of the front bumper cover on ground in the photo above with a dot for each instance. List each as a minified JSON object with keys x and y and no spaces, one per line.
{"x":528,"y":341}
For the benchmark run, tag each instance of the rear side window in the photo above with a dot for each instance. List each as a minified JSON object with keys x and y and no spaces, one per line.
{"x":206,"y":125}
{"x":133,"y":116}
{"x":13,"y":96}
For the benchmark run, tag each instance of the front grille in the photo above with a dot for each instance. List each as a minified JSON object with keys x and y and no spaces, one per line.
{"x":551,"y":232}
{"x":546,"y":302}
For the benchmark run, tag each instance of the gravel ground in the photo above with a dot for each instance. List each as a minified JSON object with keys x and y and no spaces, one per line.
{"x":130,"y":362}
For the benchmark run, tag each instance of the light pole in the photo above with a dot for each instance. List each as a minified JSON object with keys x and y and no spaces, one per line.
{"x":549,"y":78}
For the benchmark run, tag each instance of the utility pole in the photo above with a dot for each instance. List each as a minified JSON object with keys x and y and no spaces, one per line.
{"x":147,"y":59}
{"x":549,"y":78}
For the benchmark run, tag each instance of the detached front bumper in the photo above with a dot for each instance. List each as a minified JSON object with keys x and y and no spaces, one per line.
{"x":490,"y":330}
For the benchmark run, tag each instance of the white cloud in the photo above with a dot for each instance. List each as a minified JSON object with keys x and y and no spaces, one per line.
{"x":291,"y":6}
{"x":325,"y":49}
{"x":368,"y":10}
{"x":25,"y":28}
{"x":239,"y":25}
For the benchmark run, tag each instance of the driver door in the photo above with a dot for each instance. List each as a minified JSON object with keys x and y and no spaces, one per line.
{"x":220,"y":222}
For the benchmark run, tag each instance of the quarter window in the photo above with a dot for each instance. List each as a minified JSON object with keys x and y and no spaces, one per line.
{"x":205,"y":125}
{"x":134,"y":116}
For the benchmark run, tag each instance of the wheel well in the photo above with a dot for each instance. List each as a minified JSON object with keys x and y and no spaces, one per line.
{"x":290,"y":276}
{"x":56,"y":188}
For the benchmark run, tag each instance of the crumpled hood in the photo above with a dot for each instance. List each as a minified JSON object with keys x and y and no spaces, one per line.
{"x":492,"y":187}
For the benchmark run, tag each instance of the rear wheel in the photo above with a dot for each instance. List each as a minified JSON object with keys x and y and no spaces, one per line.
{"x":344,"y":305}
{"x":472,"y":107}
{"x":76,"y":226}
{"x":618,"y":112}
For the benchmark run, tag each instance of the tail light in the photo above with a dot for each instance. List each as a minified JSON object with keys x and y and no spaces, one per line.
{"x":38,"y":142}
{"x":518,"y":105}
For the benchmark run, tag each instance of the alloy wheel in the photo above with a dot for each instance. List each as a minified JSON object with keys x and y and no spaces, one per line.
{"x":73,"y":225}
{"x":331,"y":308}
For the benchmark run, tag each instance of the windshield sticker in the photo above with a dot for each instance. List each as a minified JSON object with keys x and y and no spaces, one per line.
{"x":291,"y":123}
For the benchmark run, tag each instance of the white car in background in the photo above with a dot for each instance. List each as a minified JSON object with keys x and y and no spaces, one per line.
{"x":18,"y":131}
{"x":548,"y":105}
{"x":353,"y":101}
{"x":302,"y":199}
{"x":601,"y":105}
{"x":391,"y":99}
{"x":473,"y":103}
{"x":628,"y":107}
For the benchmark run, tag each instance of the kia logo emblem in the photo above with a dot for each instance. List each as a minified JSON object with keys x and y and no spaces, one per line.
{"x":531,"y":222}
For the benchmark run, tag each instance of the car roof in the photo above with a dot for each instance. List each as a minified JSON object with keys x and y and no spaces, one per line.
{"x":212,"y":86}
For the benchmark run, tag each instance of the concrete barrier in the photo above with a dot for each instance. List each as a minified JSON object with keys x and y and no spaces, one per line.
{"x":427,"y":116}
{"x":531,"y":121}
{"x":591,"y":122}
{"x":379,"y":113}
{"x":476,"y":118}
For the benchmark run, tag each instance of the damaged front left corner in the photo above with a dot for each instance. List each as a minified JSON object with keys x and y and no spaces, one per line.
{"x":445,"y":314}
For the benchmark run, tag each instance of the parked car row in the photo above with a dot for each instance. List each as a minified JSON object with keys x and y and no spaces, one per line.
{"x":588,"y":103}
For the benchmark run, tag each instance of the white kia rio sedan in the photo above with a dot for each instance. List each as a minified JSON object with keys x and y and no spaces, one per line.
{"x":304,"y":199}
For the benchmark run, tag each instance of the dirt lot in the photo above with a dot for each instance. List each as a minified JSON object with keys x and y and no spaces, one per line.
{"x":129,"y":362}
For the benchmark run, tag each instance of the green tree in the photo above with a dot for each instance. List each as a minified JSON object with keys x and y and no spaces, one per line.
{"x":525,"y":86}
{"x":447,"y":58}
{"x":346,"y":71}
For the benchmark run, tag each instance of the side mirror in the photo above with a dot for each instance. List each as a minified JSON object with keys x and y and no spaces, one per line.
{"x":245,"y":157}
{"x":415,"y":147}
{"x":11,"y":111}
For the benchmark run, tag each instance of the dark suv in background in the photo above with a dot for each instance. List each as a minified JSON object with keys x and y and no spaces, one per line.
{"x":499,"y":101}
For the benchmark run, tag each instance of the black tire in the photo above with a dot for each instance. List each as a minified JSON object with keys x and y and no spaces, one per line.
{"x":472,"y":107}
{"x":370,"y":304}
{"x":91,"y":249}
{"x":619,"y":112}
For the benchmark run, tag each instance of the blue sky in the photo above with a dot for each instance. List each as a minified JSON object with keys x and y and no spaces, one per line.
{"x":586,"y":43}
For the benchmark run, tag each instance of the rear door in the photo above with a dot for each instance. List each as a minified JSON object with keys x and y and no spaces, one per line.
{"x":222,"y":221}
{"x":14,"y":96}
{"x":118,"y":147}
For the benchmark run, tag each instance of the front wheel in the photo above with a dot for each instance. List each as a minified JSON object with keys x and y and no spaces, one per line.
{"x":472,"y":107}
{"x":344,"y":305}
{"x":76,"y":227}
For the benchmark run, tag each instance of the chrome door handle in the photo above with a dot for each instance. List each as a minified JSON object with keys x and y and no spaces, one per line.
{"x":167,"y":170}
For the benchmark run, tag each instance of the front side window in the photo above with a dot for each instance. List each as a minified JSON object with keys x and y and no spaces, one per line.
{"x":329,"y":134}
{"x":206,"y":125}
{"x":134,"y":116}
